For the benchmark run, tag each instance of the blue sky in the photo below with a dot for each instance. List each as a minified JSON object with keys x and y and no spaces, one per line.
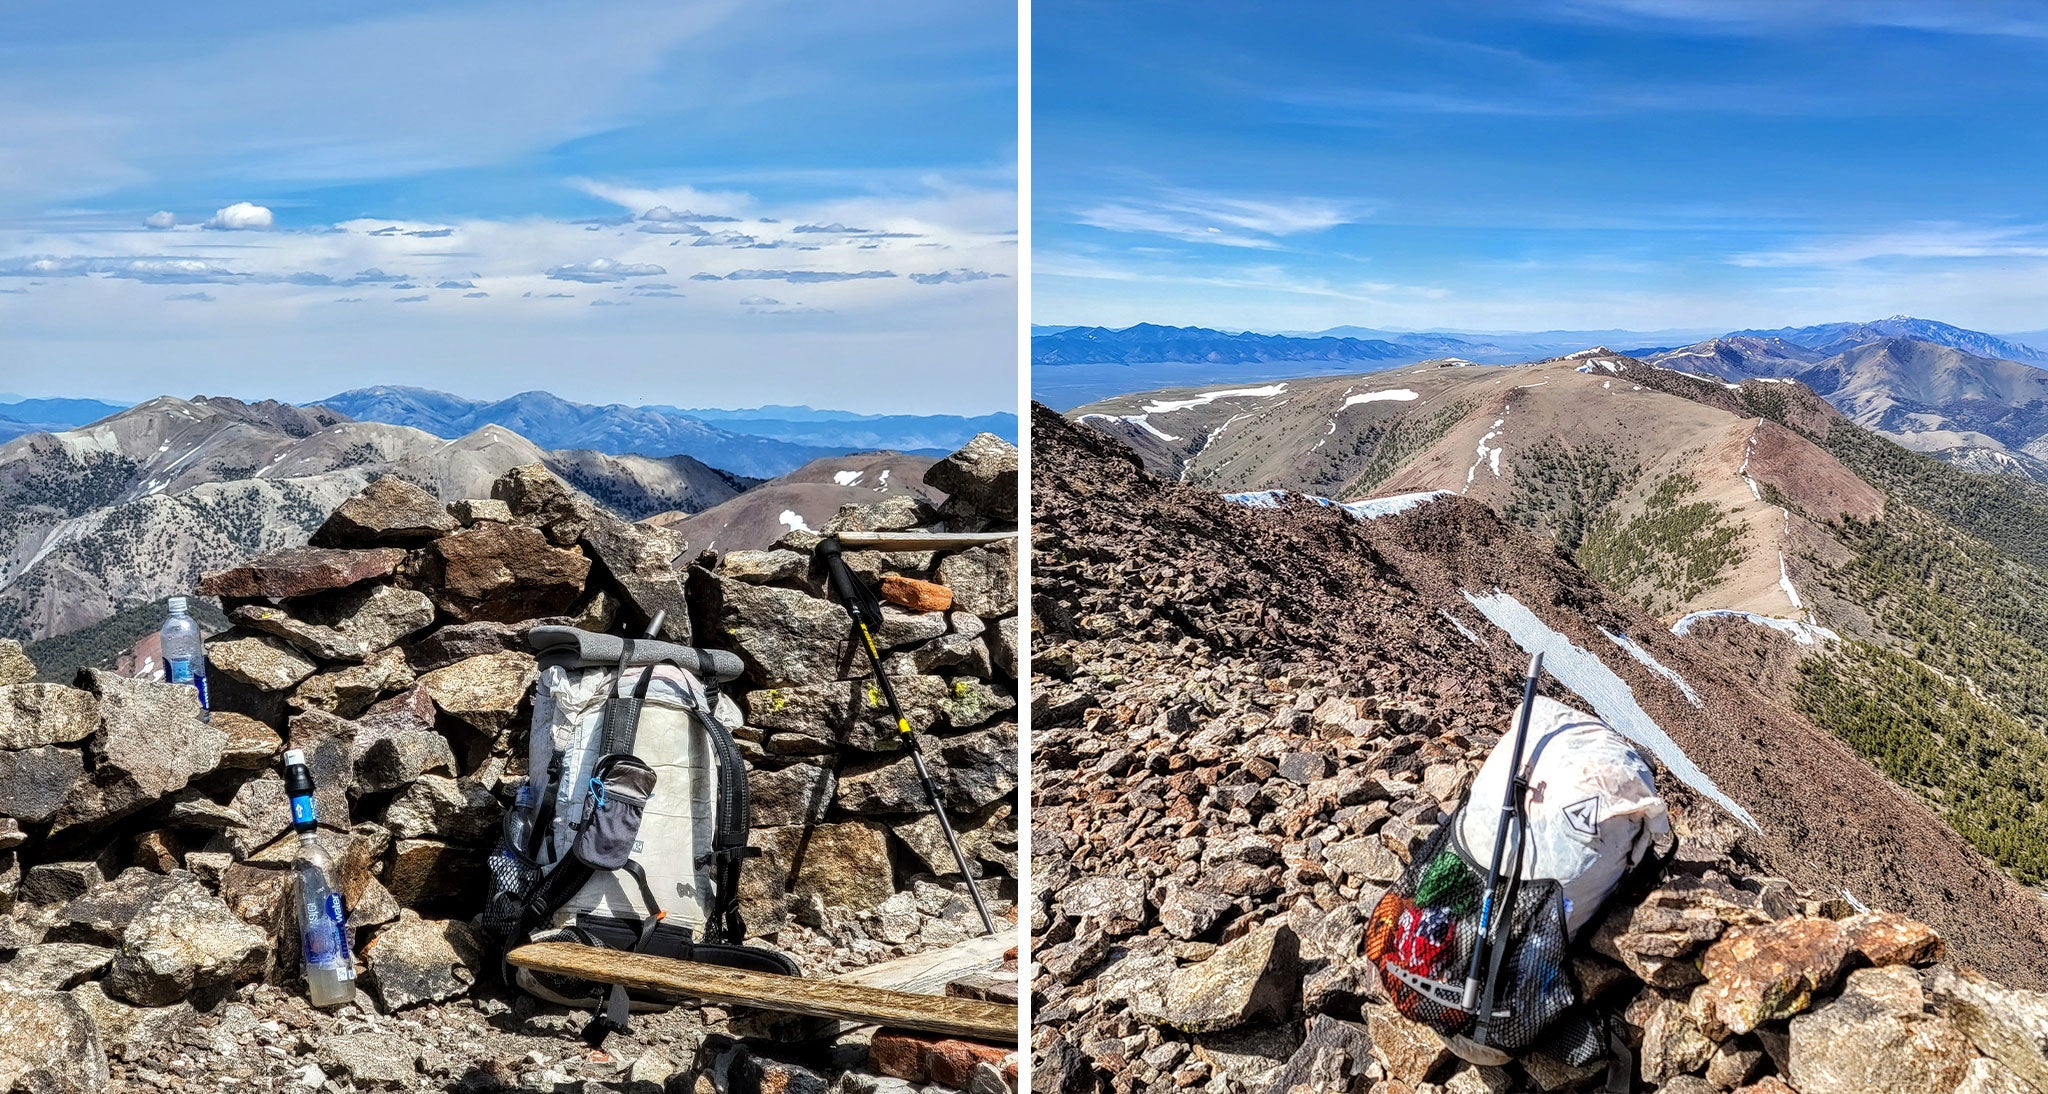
{"x":704,"y":202}
{"x":1549,"y":164}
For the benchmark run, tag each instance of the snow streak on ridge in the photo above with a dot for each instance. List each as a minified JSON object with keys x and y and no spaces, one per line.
{"x":1613,"y":700}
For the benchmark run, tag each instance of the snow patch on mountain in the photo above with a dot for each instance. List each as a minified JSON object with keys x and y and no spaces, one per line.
{"x":1486,"y":453}
{"x":1654,"y":665}
{"x":1399,"y":394}
{"x":1613,"y":700}
{"x":1364,"y":509}
{"x":1802,"y":632}
{"x":1167,"y":406}
{"x":1142,"y":421}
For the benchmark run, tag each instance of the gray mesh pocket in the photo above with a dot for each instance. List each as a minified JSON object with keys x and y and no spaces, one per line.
{"x":619,"y":788}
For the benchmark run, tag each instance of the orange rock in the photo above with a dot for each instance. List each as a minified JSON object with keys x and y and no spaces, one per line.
{"x":920,"y":1058}
{"x":1759,"y":973}
{"x":1888,"y":938}
{"x":914,"y":595}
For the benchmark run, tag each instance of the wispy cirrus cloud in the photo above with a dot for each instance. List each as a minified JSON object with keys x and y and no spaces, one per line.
{"x":1988,"y":18}
{"x":797,"y":277}
{"x":1218,"y":219}
{"x":1922,"y":242}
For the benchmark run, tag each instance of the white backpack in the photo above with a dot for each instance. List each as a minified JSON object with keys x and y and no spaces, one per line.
{"x":1591,"y":818}
{"x":1592,"y":812}
{"x":640,"y":816}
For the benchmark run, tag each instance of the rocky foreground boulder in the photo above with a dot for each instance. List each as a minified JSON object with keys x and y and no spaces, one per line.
{"x":1236,"y":751}
{"x":147,"y":937}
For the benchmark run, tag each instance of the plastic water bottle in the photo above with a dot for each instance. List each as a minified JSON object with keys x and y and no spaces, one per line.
{"x":184,"y":652}
{"x":323,"y":919}
{"x":519,"y":823}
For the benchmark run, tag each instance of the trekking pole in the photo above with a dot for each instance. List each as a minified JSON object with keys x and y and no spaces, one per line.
{"x":1510,"y":818}
{"x":866,"y":611}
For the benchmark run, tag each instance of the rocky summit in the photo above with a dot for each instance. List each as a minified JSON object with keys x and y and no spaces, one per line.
{"x":1245,"y":724}
{"x":147,"y":928}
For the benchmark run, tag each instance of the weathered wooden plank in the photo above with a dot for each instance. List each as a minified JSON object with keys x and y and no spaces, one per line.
{"x":928,"y":973}
{"x":922,"y":541}
{"x":990,"y":1022}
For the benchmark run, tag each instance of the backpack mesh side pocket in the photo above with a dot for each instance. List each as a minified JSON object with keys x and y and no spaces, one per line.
{"x":513,"y":877}
{"x":1427,"y":924}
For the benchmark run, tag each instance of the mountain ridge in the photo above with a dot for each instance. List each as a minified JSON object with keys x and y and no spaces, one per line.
{"x":1981,"y":412}
{"x":1312,"y":600}
{"x":132,"y":507}
{"x":748,"y":442}
{"x":1833,"y":338}
{"x":1795,"y":540}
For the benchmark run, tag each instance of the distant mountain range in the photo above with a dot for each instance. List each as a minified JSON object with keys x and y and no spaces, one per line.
{"x":134,"y":506}
{"x":1152,"y":343}
{"x":551,"y":421}
{"x":1975,"y":399}
{"x":1830,"y":338}
{"x":761,"y":442}
{"x":764,"y":443}
{"x":20,"y":415}
{"x":1985,"y":413}
{"x":924,"y":434}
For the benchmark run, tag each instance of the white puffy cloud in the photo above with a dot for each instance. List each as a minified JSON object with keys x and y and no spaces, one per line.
{"x":242,"y":216}
{"x":161,"y":219}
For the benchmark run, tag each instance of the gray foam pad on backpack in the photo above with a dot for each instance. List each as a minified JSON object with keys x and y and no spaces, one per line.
{"x":573,"y":647}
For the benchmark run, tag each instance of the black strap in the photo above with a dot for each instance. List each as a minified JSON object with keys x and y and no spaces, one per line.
{"x":729,"y":837}
{"x":1621,"y":1062}
{"x":616,"y":1015}
{"x":622,"y":712}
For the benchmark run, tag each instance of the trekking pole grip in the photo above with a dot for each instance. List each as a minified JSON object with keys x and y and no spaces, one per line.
{"x":839,"y":572}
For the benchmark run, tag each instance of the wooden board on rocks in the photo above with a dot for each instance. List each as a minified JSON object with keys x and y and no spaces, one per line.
{"x":835,"y":999}
{"x":930,"y":972}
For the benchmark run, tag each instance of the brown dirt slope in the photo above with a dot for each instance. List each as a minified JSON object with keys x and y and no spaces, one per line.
{"x":1138,"y":580}
{"x":811,"y":494}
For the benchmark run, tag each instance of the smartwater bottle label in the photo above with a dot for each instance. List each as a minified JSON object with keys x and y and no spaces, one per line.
{"x":337,"y":917}
{"x":302,"y":810}
{"x":326,"y":941}
{"x":181,"y":670}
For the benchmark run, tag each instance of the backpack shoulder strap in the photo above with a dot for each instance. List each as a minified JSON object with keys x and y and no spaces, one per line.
{"x":735,"y":817}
